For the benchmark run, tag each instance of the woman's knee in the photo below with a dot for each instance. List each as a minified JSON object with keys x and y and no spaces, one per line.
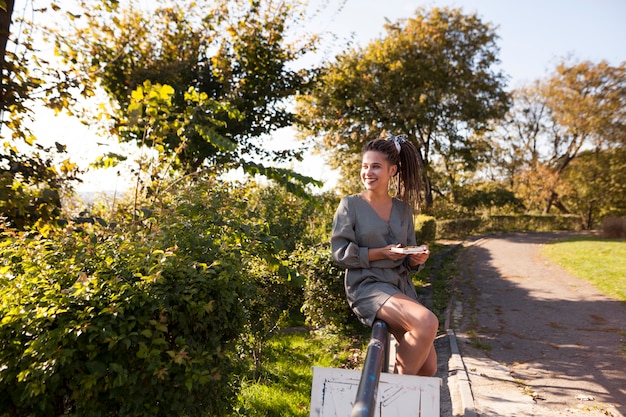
{"x":426,"y":321}
{"x":404,"y":314}
{"x":433,"y":322}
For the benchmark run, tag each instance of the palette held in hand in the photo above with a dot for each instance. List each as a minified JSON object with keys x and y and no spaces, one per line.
{"x":410,"y":250}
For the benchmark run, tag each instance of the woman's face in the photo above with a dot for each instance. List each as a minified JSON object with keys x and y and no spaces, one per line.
{"x":376,"y":171}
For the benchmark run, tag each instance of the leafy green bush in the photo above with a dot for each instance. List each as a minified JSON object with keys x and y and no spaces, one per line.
{"x":457,"y":228}
{"x":325,"y":303}
{"x":278,"y":221}
{"x":31,"y":183}
{"x":272,"y":295}
{"x":529,"y":222}
{"x":425,"y":229}
{"x":104,"y":323}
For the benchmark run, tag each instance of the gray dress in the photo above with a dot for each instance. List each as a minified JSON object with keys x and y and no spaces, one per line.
{"x":357,"y":227}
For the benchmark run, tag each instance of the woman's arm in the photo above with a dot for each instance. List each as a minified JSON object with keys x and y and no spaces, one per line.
{"x":345,"y":249}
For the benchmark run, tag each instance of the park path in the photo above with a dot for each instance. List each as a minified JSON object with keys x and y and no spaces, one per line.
{"x":535,"y":340}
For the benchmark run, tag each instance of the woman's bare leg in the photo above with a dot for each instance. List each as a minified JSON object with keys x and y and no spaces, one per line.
{"x":415,"y":328}
{"x":429,"y":368}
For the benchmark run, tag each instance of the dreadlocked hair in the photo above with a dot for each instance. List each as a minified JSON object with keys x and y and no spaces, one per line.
{"x":401,"y":152}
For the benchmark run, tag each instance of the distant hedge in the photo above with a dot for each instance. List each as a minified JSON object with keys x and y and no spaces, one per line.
{"x":461,"y":228}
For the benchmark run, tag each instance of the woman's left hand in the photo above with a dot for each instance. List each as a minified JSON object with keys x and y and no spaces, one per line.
{"x":418,"y":258}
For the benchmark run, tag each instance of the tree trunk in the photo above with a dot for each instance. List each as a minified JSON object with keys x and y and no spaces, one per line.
{"x":549,"y":202}
{"x":428,"y":192}
{"x":426,"y":184}
{"x":553,"y":200}
{"x":589,"y":217}
{"x":5,"y":23}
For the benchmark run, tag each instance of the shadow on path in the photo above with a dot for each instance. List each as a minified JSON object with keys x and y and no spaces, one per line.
{"x":560,"y":339}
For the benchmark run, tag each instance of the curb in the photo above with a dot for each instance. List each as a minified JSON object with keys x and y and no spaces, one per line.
{"x":457,"y":368}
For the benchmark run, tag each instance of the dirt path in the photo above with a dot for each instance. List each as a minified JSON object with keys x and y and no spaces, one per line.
{"x":536,"y":340}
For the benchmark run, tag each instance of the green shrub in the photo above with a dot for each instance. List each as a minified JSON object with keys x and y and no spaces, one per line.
{"x":527,"y":222}
{"x":325,"y":304}
{"x":140,"y":323}
{"x":272,"y":296}
{"x":425,"y":229}
{"x":461,"y":228}
{"x":280,"y":223}
{"x":457,"y":229}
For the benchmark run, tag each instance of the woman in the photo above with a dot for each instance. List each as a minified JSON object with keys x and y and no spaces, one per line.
{"x":366,"y":229}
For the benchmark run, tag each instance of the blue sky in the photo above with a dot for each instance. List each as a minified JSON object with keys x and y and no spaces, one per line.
{"x":534,"y":34}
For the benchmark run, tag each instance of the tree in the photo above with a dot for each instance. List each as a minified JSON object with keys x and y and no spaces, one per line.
{"x":6,"y":10}
{"x":594,"y":185}
{"x":235,"y":53}
{"x":587,"y":108}
{"x":580,"y":107}
{"x":430,"y":78}
{"x":32,"y":176}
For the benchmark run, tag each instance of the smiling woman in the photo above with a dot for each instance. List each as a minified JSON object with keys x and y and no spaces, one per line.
{"x":368,"y":229}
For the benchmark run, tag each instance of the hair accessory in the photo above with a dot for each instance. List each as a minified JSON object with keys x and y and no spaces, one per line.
{"x":397,"y":140}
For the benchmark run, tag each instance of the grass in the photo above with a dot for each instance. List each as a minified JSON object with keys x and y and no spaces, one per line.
{"x":283,"y":387}
{"x":600,"y":261}
{"x":436,"y":279}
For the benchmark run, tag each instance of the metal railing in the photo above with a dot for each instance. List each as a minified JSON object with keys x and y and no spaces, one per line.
{"x":376,"y":359}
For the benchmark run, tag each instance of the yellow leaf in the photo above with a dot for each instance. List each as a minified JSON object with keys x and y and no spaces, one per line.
{"x":137,"y":94}
{"x":67,"y":166}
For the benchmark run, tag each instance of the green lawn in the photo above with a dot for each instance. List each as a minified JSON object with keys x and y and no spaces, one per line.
{"x":283,"y":387}
{"x":599,"y":261}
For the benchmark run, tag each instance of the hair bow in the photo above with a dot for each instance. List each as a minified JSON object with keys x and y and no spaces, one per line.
{"x":397,"y":140}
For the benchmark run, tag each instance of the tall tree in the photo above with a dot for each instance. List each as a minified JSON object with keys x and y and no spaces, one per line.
{"x":581,"y":106}
{"x":594,"y":185}
{"x":431,"y":78}
{"x":235,"y":53}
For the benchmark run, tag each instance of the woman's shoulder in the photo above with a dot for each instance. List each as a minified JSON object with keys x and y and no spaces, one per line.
{"x":398,"y":202}
{"x":344,"y":202}
{"x":350,"y":199}
{"x":349,"y":204}
{"x":404,"y":207}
